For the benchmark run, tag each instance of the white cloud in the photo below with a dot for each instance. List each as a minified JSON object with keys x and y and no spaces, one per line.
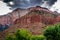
{"x":11,"y":3}
{"x":4,"y":9}
{"x":45,"y":4}
{"x":28,"y":0}
{"x":56,"y":6}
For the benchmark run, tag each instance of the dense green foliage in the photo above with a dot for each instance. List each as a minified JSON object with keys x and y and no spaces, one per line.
{"x":10,"y":37}
{"x":24,"y":34}
{"x":38,"y":37}
{"x":52,"y":32}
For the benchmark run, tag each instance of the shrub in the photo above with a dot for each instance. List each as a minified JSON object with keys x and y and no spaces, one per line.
{"x":52,"y":32}
{"x":23,"y":34}
{"x":37,"y":37}
{"x":10,"y":37}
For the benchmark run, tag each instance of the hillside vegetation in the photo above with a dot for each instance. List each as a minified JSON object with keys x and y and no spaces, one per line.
{"x":50,"y":33}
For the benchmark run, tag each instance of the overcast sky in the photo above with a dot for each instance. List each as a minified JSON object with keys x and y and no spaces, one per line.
{"x":4,"y":9}
{"x":56,"y":6}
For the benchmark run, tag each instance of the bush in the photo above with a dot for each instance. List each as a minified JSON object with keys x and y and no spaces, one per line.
{"x":37,"y":37}
{"x":23,"y":34}
{"x":52,"y":32}
{"x":10,"y":37}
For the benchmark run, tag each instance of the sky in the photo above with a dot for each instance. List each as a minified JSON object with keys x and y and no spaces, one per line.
{"x":4,"y":9}
{"x":56,"y":6}
{"x":7,"y":6}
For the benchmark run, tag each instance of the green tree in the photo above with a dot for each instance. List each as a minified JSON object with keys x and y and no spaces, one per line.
{"x":23,"y":34}
{"x":38,"y":37}
{"x":52,"y":32}
{"x":10,"y":37}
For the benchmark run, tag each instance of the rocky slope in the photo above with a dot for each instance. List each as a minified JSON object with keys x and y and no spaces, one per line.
{"x":38,"y":14}
{"x":17,"y":13}
{"x":11,"y":17}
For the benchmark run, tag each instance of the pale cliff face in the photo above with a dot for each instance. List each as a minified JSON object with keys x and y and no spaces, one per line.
{"x":17,"y":13}
{"x":11,"y":17}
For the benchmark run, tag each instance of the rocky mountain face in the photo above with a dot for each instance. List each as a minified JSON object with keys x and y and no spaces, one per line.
{"x":17,"y":13}
{"x":11,"y":17}
{"x":39,"y":14}
{"x":35,"y":19}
